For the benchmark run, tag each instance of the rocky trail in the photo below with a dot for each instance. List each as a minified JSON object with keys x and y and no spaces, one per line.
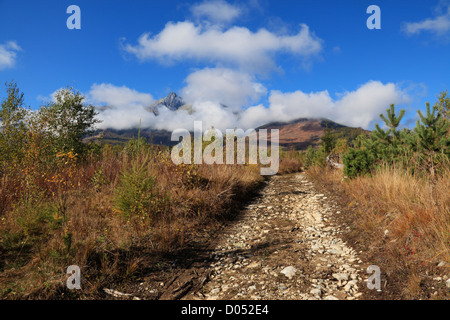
{"x":284,"y":245}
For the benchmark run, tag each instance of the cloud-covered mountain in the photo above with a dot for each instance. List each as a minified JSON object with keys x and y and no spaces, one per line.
{"x":298,"y":133}
{"x":173,"y":102}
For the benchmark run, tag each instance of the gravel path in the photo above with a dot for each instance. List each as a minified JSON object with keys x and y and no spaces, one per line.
{"x":284,"y":246}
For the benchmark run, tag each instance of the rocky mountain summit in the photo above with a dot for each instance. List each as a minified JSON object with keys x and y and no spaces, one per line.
{"x":173,"y":102}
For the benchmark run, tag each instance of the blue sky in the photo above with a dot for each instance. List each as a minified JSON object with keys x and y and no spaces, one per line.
{"x":266,"y":60}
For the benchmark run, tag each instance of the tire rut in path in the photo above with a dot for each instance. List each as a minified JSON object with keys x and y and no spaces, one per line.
{"x":284,"y":246}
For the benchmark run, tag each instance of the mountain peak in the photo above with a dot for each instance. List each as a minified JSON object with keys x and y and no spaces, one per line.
{"x":172,"y":101}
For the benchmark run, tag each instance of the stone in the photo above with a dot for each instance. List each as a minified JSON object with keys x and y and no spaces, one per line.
{"x":116,"y":293}
{"x":442,"y":264}
{"x":330,"y":298}
{"x":350,"y":285}
{"x":282,"y":286}
{"x":340,"y":276}
{"x":215,"y":291}
{"x":253,"y":265}
{"x":336,"y":252}
{"x":289,"y":272}
{"x":316,"y":292}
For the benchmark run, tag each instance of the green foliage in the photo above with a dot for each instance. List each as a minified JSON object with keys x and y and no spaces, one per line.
{"x":99,"y":179}
{"x":392,"y":121}
{"x":347,"y":133}
{"x":443,"y":104}
{"x":30,"y":141}
{"x":134,"y":146}
{"x":13,"y":116}
{"x":328,"y":140}
{"x":341,"y":146}
{"x":134,"y":193}
{"x":68,"y":121}
{"x":431,"y":132}
{"x":333,"y":141}
{"x":358,"y":162}
{"x":315,"y":156}
{"x":425,"y":147}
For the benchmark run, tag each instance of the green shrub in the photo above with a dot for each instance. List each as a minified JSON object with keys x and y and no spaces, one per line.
{"x":134,"y":192}
{"x":426,"y":148}
{"x":134,"y":146}
{"x":314,"y":157}
{"x":358,"y":162}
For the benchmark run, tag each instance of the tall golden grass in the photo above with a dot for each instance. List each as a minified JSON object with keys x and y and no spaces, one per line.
{"x":406,"y":216}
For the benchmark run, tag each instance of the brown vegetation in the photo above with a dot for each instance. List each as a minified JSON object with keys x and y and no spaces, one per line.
{"x":402,"y":221}
{"x":74,"y":216}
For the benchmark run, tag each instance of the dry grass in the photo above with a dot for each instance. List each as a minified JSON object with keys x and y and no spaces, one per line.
{"x":291,"y":161}
{"x":406,"y":217}
{"x":414,"y":210}
{"x":69,"y":217}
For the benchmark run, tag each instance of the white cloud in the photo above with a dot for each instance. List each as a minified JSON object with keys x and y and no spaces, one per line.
{"x":216,"y":11}
{"x":8,"y":54}
{"x":438,"y":25}
{"x":236,"y":46}
{"x":359,"y":108}
{"x":118,"y":96}
{"x":126,"y":107}
{"x":219,"y":85}
{"x":289,"y":106}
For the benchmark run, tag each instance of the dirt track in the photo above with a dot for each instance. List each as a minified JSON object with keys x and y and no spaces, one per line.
{"x":284,"y":245}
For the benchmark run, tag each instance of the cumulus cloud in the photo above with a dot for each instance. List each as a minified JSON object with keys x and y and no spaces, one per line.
{"x":439,"y":25}
{"x":216,"y":11}
{"x":123,"y":107}
{"x":363,"y":106}
{"x":359,"y":108}
{"x":220,"y":85}
{"x":236,"y":46}
{"x":118,"y":96}
{"x":8,"y":54}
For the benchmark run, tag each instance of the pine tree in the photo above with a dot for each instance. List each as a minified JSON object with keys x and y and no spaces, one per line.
{"x":392,"y":121}
{"x":328,"y":140}
{"x":388,"y":145}
{"x":431,"y":132}
{"x":382,"y":146}
{"x":443,"y":104}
